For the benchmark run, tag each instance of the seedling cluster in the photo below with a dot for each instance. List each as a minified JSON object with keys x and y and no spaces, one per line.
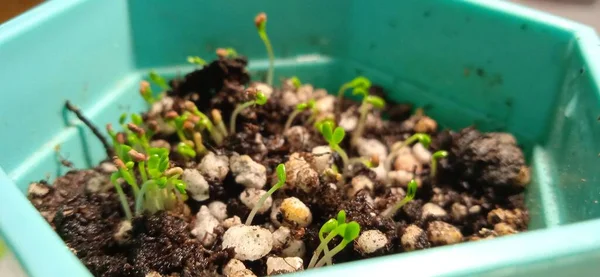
{"x":334,"y":227}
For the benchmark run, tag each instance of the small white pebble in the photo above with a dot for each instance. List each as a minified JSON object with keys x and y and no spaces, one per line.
{"x":305,"y":92}
{"x":348,"y":122}
{"x":204,"y":227}
{"x":153,"y":274}
{"x":108,"y":167}
{"x":123,"y":231}
{"x":98,"y":183}
{"x":248,"y":172}
{"x":360,"y":182}
{"x":296,"y":212}
{"x":234,"y":265}
{"x":459,"y":211}
{"x":218,"y":209}
{"x":370,"y":241}
{"x":421,"y":153}
{"x":250,"y":243}
{"x":442,"y":233}
{"x":214,"y":167}
{"x":281,"y":237}
{"x":475,"y":209}
{"x":232,"y":221}
{"x":295,"y":248}
{"x":407,"y":162}
{"x":321,"y":158}
{"x":433,"y":211}
{"x":243,"y":273}
{"x":264,"y":88}
{"x":326,"y":104}
{"x":380,"y":172}
{"x":289,"y":99}
{"x":399,"y":177}
{"x":371,"y":147}
{"x":251,"y":196}
{"x":164,"y":104}
{"x":37,"y":190}
{"x":284,"y":265}
{"x":196,"y":184}
{"x":413,"y":238}
{"x":297,"y":136}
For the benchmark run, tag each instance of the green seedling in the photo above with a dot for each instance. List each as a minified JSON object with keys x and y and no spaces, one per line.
{"x":310,"y":105}
{"x":296,"y":82}
{"x":218,"y":120}
{"x":139,"y":135}
{"x":158,"y":80}
{"x":328,"y":228}
{"x":125,"y":167}
{"x":186,"y":150}
{"x":227,"y":53}
{"x":200,"y":148}
{"x":424,"y":139}
{"x":334,"y":138}
{"x":147,"y":94}
{"x":348,"y":234}
{"x":281,"y":177}
{"x":259,"y":99}
{"x":358,"y":82}
{"x":369,"y":102}
{"x":434,"y":161}
{"x":261,"y":26}
{"x":411,"y":191}
{"x":114,"y":179}
{"x":205,"y":123}
{"x":163,"y":187}
{"x":196,"y":60}
{"x":370,"y":162}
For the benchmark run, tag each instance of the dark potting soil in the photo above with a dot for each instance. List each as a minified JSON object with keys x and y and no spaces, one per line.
{"x":478,"y":191}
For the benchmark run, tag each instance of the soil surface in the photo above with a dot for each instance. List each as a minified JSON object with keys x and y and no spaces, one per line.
{"x":477,"y":193}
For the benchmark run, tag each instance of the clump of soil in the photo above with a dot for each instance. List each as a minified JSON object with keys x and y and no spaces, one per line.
{"x":477,"y":192}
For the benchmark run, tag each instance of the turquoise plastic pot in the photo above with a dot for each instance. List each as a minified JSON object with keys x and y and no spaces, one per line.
{"x":492,"y":63}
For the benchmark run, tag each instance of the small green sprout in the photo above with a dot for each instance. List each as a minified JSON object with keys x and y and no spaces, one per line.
{"x":125,"y":166}
{"x":163,"y":187}
{"x":422,"y":138}
{"x":370,"y":162}
{"x":200,"y":148}
{"x":159,"y":80}
{"x":334,"y":227}
{"x":327,"y":228}
{"x":368,"y":102}
{"x":218,"y":119}
{"x":334,"y":138}
{"x":259,"y":99}
{"x":114,"y":179}
{"x":310,"y":105}
{"x":205,"y":122}
{"x":296,"y":82}
{"x":186,"y":150}
{"x":261,"y":25}
{"x":147,"y":94}
{"x":281,"y":177}
{"x":434,"y":161}
{"x":358,"y":82}
{"x":229,"y":53}
{"x":411,"y":191}
{"x":196,"y":60}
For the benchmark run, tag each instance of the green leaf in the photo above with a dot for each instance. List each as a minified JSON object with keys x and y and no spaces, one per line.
{"x":153,"y":161}
{"x":301,"y":106}
{"x":114,"y":177}
{"x":352,"y":231}
{"x":341,"y":217}
{"x":281,"y":173}
{"x":186,"y":150}
{"x":440,"y":154}
{"x":130,"y":164}
{"x":196,"y":60}
{"x":159,"y":80}
{"x":180,"y":186}
{"x":359,"y":91}
{"x":376,"y":101}
{"x":411,"y":191}
{"x":424,"y":139}
{"x":338,"y":135}
{"x":261,"y":98}
{"x":231,"y":52}
{"x":122,"y":118}
{"x":163,"y":165}
{"x":329,"y":226}
{"x":361,"y":82}
{"x":161,"y":182}
{"x":136,"y":119}
{"x":296,"y":82}
{"x":341,"y":229}
{"x":326,"y":131}
{"x":311,"y":103}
